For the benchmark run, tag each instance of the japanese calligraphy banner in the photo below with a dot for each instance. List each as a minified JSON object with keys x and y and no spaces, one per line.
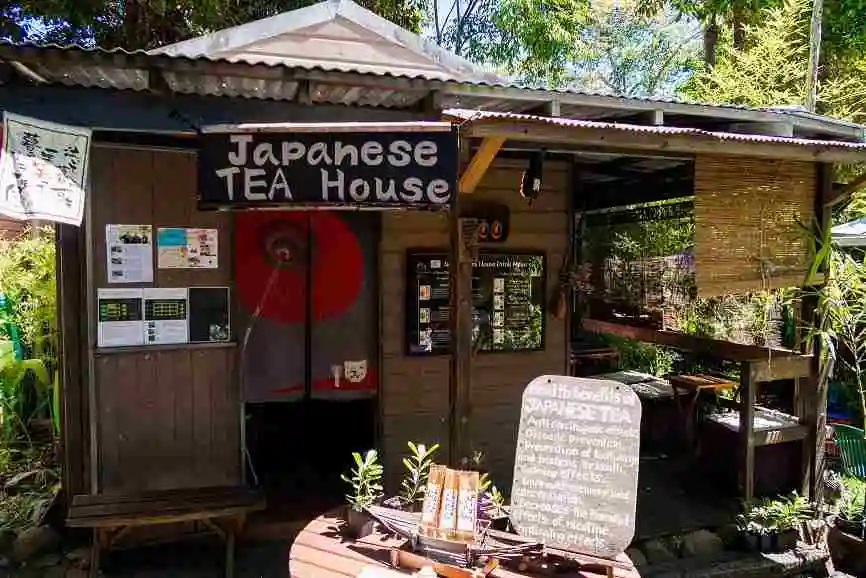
{"x":43,"y":170}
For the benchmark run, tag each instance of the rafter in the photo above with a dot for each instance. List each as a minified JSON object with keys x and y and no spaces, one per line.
{"x":479,"y":164}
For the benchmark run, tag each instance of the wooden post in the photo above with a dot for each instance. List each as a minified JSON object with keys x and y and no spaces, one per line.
{"x":72,"y":336}
{"x":460,"y":266}
{"x":747,"y":426}
{"x":815,"y":398}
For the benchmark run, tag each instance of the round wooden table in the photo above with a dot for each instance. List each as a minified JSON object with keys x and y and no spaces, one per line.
{"x":320,"y":551}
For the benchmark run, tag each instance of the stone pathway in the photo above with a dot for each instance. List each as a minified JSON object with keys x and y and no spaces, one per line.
{"x":674,"y":498}
{"x":200,"y":558}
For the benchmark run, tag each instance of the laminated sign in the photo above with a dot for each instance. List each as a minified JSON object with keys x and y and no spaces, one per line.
{"x":576,"y":468}
{"x":43,"y":170}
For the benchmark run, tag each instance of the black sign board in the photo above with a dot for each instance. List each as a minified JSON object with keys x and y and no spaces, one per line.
{"x":576,"y":464}
{"x":397,"y":168}
{"x":507,"y":302}
{"x":209,"y":319}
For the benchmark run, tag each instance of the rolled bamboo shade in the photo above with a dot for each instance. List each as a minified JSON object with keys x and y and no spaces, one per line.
{"x":749,"y":218}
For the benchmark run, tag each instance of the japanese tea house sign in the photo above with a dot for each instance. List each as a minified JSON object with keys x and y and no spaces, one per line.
{"x":353,"y":165}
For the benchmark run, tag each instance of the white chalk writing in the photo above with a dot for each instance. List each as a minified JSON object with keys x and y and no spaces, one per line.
{"x":262,"y":171}
{"x":575,"y":473}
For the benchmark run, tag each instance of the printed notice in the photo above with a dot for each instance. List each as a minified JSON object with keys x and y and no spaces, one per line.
{"x":43,"y":170}
{"x":576,"y":468}
{"x":165,"y":316}
{"x":129,"y":250}
{"x":187,"y":248}
{"x":120,"y":317}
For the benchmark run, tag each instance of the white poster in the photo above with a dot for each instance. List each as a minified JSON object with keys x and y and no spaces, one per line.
{"x":166,"y":316}
{"x":120,"y":317}
{"x":43,"y":170}
{"x":179,"y":248}
{"x":129,"y":251}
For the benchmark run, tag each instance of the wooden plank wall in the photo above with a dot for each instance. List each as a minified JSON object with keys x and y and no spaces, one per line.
{"x":414,"y":391}
{"x":10,"y":229}
{"x":167,"y":416}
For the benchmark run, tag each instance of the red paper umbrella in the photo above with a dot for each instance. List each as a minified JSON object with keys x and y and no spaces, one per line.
{"x":271,"y":250}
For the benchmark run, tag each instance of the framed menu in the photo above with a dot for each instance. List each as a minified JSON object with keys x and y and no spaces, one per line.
{"x":508,"y":299}
{"x":428,"y":307}
{"x":508,"y":296}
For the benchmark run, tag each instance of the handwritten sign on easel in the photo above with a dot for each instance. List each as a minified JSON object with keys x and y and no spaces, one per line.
{"x":576,"y":468}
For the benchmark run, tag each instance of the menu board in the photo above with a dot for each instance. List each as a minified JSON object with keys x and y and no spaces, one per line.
{"x":428,"y":308}
{"x":507,"y":302}
{"x":576,"y":464}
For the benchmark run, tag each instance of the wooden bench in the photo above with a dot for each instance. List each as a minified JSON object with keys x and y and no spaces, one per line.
{"x":222,"y":510}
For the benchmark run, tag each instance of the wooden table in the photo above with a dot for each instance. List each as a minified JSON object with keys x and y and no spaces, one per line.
{"x":757,"y":365}
{"x":320,"y":551}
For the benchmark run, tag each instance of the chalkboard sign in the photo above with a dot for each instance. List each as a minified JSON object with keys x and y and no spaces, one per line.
{"x":209,"y":319}
{"x":507,"y":302}
{"x":576,"y":467}
{"x":404,"y":167}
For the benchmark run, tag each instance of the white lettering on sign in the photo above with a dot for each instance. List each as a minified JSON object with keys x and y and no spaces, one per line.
{"x":258,"y":171}
{"x":576,"y":468}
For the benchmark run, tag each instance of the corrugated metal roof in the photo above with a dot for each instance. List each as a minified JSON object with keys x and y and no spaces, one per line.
{"x":144,"y":59}
{"x":825,"y":148}
{"x":478,"y":116}
{"x":242,"y":77}
{"x":341,"y":33}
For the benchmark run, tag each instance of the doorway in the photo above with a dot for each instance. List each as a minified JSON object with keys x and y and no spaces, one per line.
{"x":308,"y":305}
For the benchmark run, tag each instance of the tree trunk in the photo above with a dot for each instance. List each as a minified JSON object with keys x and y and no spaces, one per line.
{"x":135,"y":33}
{"x":814,"y":55}
{"x":739,"y":26}
{"x":711,"y":40}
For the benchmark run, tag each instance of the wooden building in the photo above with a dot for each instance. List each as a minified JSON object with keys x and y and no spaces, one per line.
{"x":292,"y":368}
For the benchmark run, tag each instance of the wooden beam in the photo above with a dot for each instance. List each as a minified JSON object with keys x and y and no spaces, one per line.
{"x":603,"y":196}
{"x":691,"y":143}
{"x":479,"y":164}
{"x":775,"y":368}
{"x":840,"y":193}
{"x":780,"y":436}
{"x":713,"y":347}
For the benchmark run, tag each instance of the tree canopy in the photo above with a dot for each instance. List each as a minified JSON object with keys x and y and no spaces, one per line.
{"x":145,"y":24}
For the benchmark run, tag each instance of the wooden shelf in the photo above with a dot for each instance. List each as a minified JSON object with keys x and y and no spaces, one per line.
{"x":767,"y":364}
{"x":770,"y":427}
{"x":157,"y":348}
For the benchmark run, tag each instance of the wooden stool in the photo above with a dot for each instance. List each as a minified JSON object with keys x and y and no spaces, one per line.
{"x":687,"y":401}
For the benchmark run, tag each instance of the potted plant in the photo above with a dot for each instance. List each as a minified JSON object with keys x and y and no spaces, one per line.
{"x":414,"y":484}
{"x":365,"y":479}
{"x":772,"y":525}
{"x":850,"y":516}
{"x":493,"y":509}
{"x":755,"y":526}
{"x":787,"y":515}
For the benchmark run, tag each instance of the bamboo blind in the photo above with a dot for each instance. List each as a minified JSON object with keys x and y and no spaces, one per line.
{"x":749,"y":223}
